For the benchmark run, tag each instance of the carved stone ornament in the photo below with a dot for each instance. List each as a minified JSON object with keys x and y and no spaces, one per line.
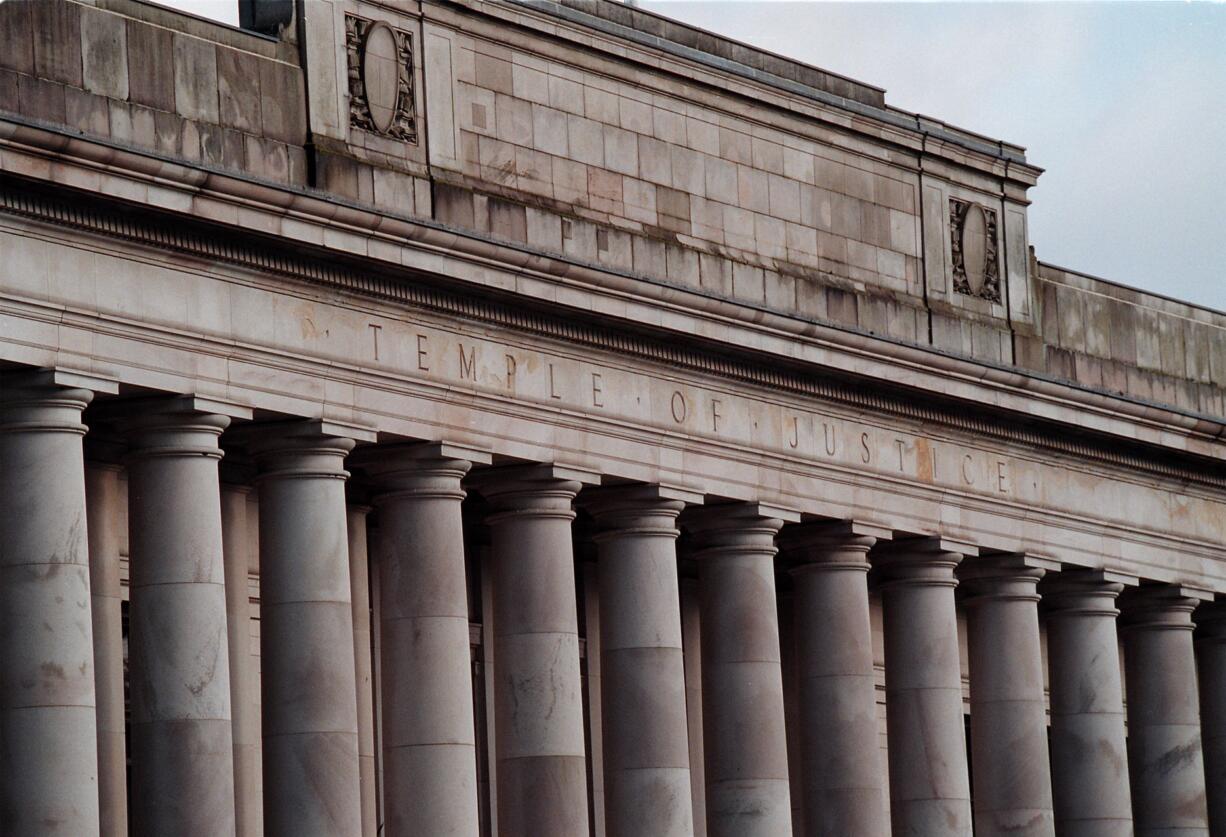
{"x":973,"y":247}
{"x":380,"y":78}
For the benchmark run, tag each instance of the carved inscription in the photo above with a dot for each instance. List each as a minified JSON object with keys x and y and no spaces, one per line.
{"x":734,"y":418}
{"x":380,"y":66}
{"x":973,"y":249}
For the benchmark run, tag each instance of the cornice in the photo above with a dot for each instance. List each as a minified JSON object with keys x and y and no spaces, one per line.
{"x":287,"y":259}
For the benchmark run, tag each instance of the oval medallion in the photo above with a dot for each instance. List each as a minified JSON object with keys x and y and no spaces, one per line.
{"x":974,"y":247}
{"x":380,"y":75}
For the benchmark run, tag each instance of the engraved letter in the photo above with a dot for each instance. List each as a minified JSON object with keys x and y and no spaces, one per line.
{"x":795,"y":432}
{"x":374,"y":333}
{"x":421,"y":353}
{"x":679,"y":408}
{"x":715,"y":416}
{"x":553,"y":393}
{"x":1002,"y":477}
{"x":832,"y":441}
{"x":511,"y":372}
{"x":468,"y":363}
{"x":867,"y":455}
{"x":967,"y":476}
{"x":902,"y":445}
{"x":597,"y":390}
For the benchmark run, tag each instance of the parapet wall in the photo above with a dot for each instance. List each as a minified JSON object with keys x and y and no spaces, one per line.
{"x":614,"y":138}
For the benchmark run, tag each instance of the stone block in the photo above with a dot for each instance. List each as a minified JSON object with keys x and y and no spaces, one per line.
{"x":544,"y":229}
{"x":283,"y":102}
{"x":797,"y":165}
{"x":579,"y":239}
{"x":55,"y":28}
{"x":668,"y":125}
{"x":688,"y":170}
{"x":84,"y":111}
{"x":649,"y":257}
{"x":17,"y":39}
{"x":104,"y":53}
{"x":771,"y":235}
{"x":586,"y":140}
{"x":784,"y":195}
{"x":514,"y":120}
{"x":603,"y":184}
{"x":780,"y":289}
{"x":621,"y":150}
{"x":748,"y":282}
{"x":702,"y":136}
{"x":601,"y":105}
{"x":753,"y":189}
{"x":549,"y":132}
{"x":195,"y":67}
{"x":738,"y":227}
{"x":493,"y":73}
{"x":508,"y":220}
{"x":672,"y":203}
{"x":168,"y":132}
{"x":681,"y":265}
{"x":566,"y":95}
{"x":454,"y":206}
{"x":238,"y":90}
{"x":715,"y":273}
{"x":735,"y":146}
{"x":640,"y":200}
{"x":569,"y":180}
{"x":40,"y":99}
{"x":842,"y":306}
{"x":530,"y":84}
{"x":635,"y":115}
{"x":534,"y":170}
{"x":767,"y":155}
{"x":721,"y":180}
{"x":151,"y":78}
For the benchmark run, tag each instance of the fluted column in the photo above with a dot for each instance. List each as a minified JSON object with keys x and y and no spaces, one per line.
{"x":541,"y":769}
{"x":1165,"y":760}
{"x":103,"y":502}
{"x":306,"y":636}
{"x":841,"y":775}
{"x":646,"y":751}
{"x":429,"y":740}
{"x":359,"y":589}
{"x":1009,"y":754}
{"x":929,"y":781}
{"x":249,"y":819}
{"x":742,"y":685}
{"x":49,"y":758}
{"x":1089,"y":757}
{"x":179,"y":662}
{"x":1211,"y":661}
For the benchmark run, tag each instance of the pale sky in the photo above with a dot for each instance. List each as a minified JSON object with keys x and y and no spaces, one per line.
{"x":1124,"y":105}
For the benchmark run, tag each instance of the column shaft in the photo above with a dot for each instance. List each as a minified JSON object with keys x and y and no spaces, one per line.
{"x":742,"y":687}
{"x":359,"y":588}
{"x":49,"y":758}
{"x":1089,"y":757}
{"x":542,"y":780}
{"x":1009,"y":753}
{"x":840,"y":770}
{"x":429,"y":739}
{"x":248,"y":816}
{"x":179,"y":662}
{"x":103,"y":502}
{"x":1165,"y":760}
{"x":1211,"y":661}
{"x":646,"y":751}
{"x":309,"y":695}
{"x":691,"y":635}
{"x":929,"y":782}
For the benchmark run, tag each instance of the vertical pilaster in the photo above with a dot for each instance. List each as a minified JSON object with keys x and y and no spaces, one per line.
{"x":179,"y":661}
{"x":929,"y":781}
{"x":841,"y":776}
{"x":1165,"y":759}
{"x":103,"y":503}
{"x":1009,"y":754}
{"x":48,"y":725}
{"x":743,"y":718}
{"x":541,"y":770}
{"x":646,"y":752}
{"x":359,"y":589}
{"x":1089,"y":757}
{"x":309,"y":695}
{"x":429,"y":738}
{"x":1211,"y":662}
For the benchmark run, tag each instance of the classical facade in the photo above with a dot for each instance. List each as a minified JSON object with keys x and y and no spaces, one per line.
{"x":543,"y":419}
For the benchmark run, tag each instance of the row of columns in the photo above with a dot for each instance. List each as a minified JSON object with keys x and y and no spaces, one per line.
{"x":189,"y":757}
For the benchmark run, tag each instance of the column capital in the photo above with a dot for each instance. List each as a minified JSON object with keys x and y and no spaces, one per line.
{"x":544,"y":490}
{"x":1157,"y":606}
{"x":637,"y":509}
{"x":1210,"y":620}
{"x":925,"y":561}
{"x":842,"y":544}
{"x":427,"y":469}
{"x":168,"y":426}
{"x":1002,"y":577}
{"x":42,"y":401}
{"x":732,"y":528}
{"x":296,"y":449}
{"x":1080,"y":592}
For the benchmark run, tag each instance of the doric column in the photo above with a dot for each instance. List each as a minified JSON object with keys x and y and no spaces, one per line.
{"x":646,"y":751}
{"x":429,"y":740}
{"x":840,"y":770}
{"x":104,"y":507}
{"x":1009,"y":755}
{"x":541,"y":769}
{"x":1165,"y":760}
{"x":1211,"y":661}
{"x":742,"y":686}
{"x":1089,"y":758}
{"x":359,"y":589}
{"x":179,"y":662}
{"x":49,"y":758}
{"x":691,"y":640}
{"x":248,"y":816}
{"x":929,"y":782}
{"x":306,"y":635}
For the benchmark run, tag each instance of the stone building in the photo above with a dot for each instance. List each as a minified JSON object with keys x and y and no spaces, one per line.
{"x":626,"y":432}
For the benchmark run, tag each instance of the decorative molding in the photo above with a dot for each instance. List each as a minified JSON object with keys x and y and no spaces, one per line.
{"x":380,"y":60}
{"x":972,"y":244}
{"x":294,"y":261}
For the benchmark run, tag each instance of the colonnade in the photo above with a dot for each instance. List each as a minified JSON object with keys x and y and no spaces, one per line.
{"x":193,"y":755}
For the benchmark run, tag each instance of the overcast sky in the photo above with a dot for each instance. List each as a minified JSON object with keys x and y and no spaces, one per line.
{"x":1124,"y":105}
